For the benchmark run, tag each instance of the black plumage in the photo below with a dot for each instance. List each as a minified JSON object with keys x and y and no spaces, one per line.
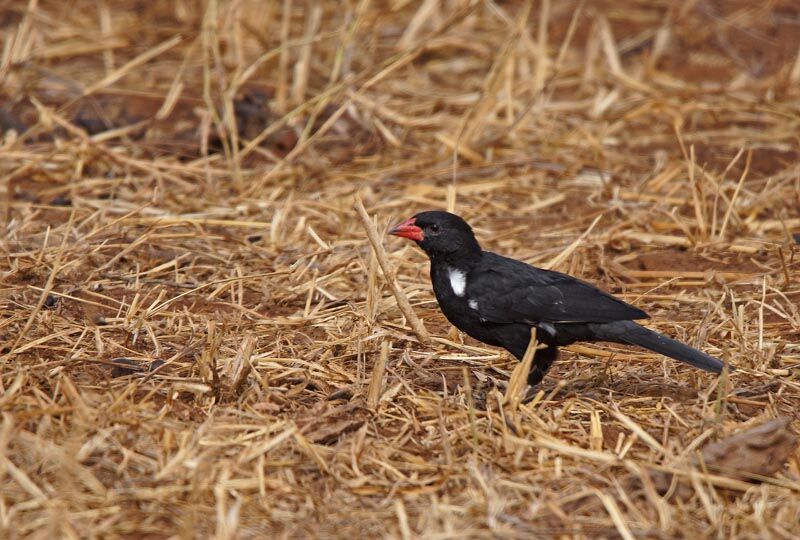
{"x":497,"y":300}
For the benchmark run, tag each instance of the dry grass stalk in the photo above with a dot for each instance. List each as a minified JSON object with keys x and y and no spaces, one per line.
{"x":176,"y":185}
{"x":519,"y":377}
{"x":376,"y":381}
{"x":388,"y":273}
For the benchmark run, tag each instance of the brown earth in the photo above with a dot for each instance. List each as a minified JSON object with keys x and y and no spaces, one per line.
{"x":190,"y":317}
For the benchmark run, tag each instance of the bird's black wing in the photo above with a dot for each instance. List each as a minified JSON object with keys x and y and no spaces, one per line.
{"x":509,"y":291}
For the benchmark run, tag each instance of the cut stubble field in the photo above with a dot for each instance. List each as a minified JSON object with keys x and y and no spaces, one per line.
{"x":197,"y":338}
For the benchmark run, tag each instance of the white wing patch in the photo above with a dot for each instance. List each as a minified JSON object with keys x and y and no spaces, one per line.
{"x":458,"y":281}
{"x":547,"y":327}
{"x":473,"y":304}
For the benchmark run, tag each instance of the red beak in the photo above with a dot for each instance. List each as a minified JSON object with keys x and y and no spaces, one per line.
{"x":407,"y":229}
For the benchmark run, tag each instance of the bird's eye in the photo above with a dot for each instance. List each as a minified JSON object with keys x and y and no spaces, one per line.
{"x":435,"y":228}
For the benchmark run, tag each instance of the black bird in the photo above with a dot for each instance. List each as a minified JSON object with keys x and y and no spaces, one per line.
{"x":497,"y":300}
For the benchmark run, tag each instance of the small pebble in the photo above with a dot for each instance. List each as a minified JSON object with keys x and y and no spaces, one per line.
{"x":61,"y":200}
{"x":155,"y":364}
{"x":124,"y":366}
{"x":344,"y":393}
{"x":50,"y":302}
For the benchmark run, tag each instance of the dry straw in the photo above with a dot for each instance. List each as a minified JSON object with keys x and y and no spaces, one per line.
{"x":196,"y":339}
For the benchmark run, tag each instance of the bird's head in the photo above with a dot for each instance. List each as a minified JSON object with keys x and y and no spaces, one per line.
{"x":440,"y":234}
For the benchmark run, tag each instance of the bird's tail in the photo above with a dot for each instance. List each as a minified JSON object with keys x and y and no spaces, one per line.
{"x":633,"y":334}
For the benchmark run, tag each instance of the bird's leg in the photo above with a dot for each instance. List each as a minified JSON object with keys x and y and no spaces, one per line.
{"x":541,"y":363}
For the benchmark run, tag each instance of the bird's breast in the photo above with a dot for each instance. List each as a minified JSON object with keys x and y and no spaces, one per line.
{"x":450,"y":287}
{"x":457,"y":279}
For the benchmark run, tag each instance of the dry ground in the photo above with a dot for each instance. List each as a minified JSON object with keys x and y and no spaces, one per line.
{"x":177,"y":190}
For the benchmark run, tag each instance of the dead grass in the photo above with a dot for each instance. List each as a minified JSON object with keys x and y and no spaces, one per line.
{"x":177,"y":190}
